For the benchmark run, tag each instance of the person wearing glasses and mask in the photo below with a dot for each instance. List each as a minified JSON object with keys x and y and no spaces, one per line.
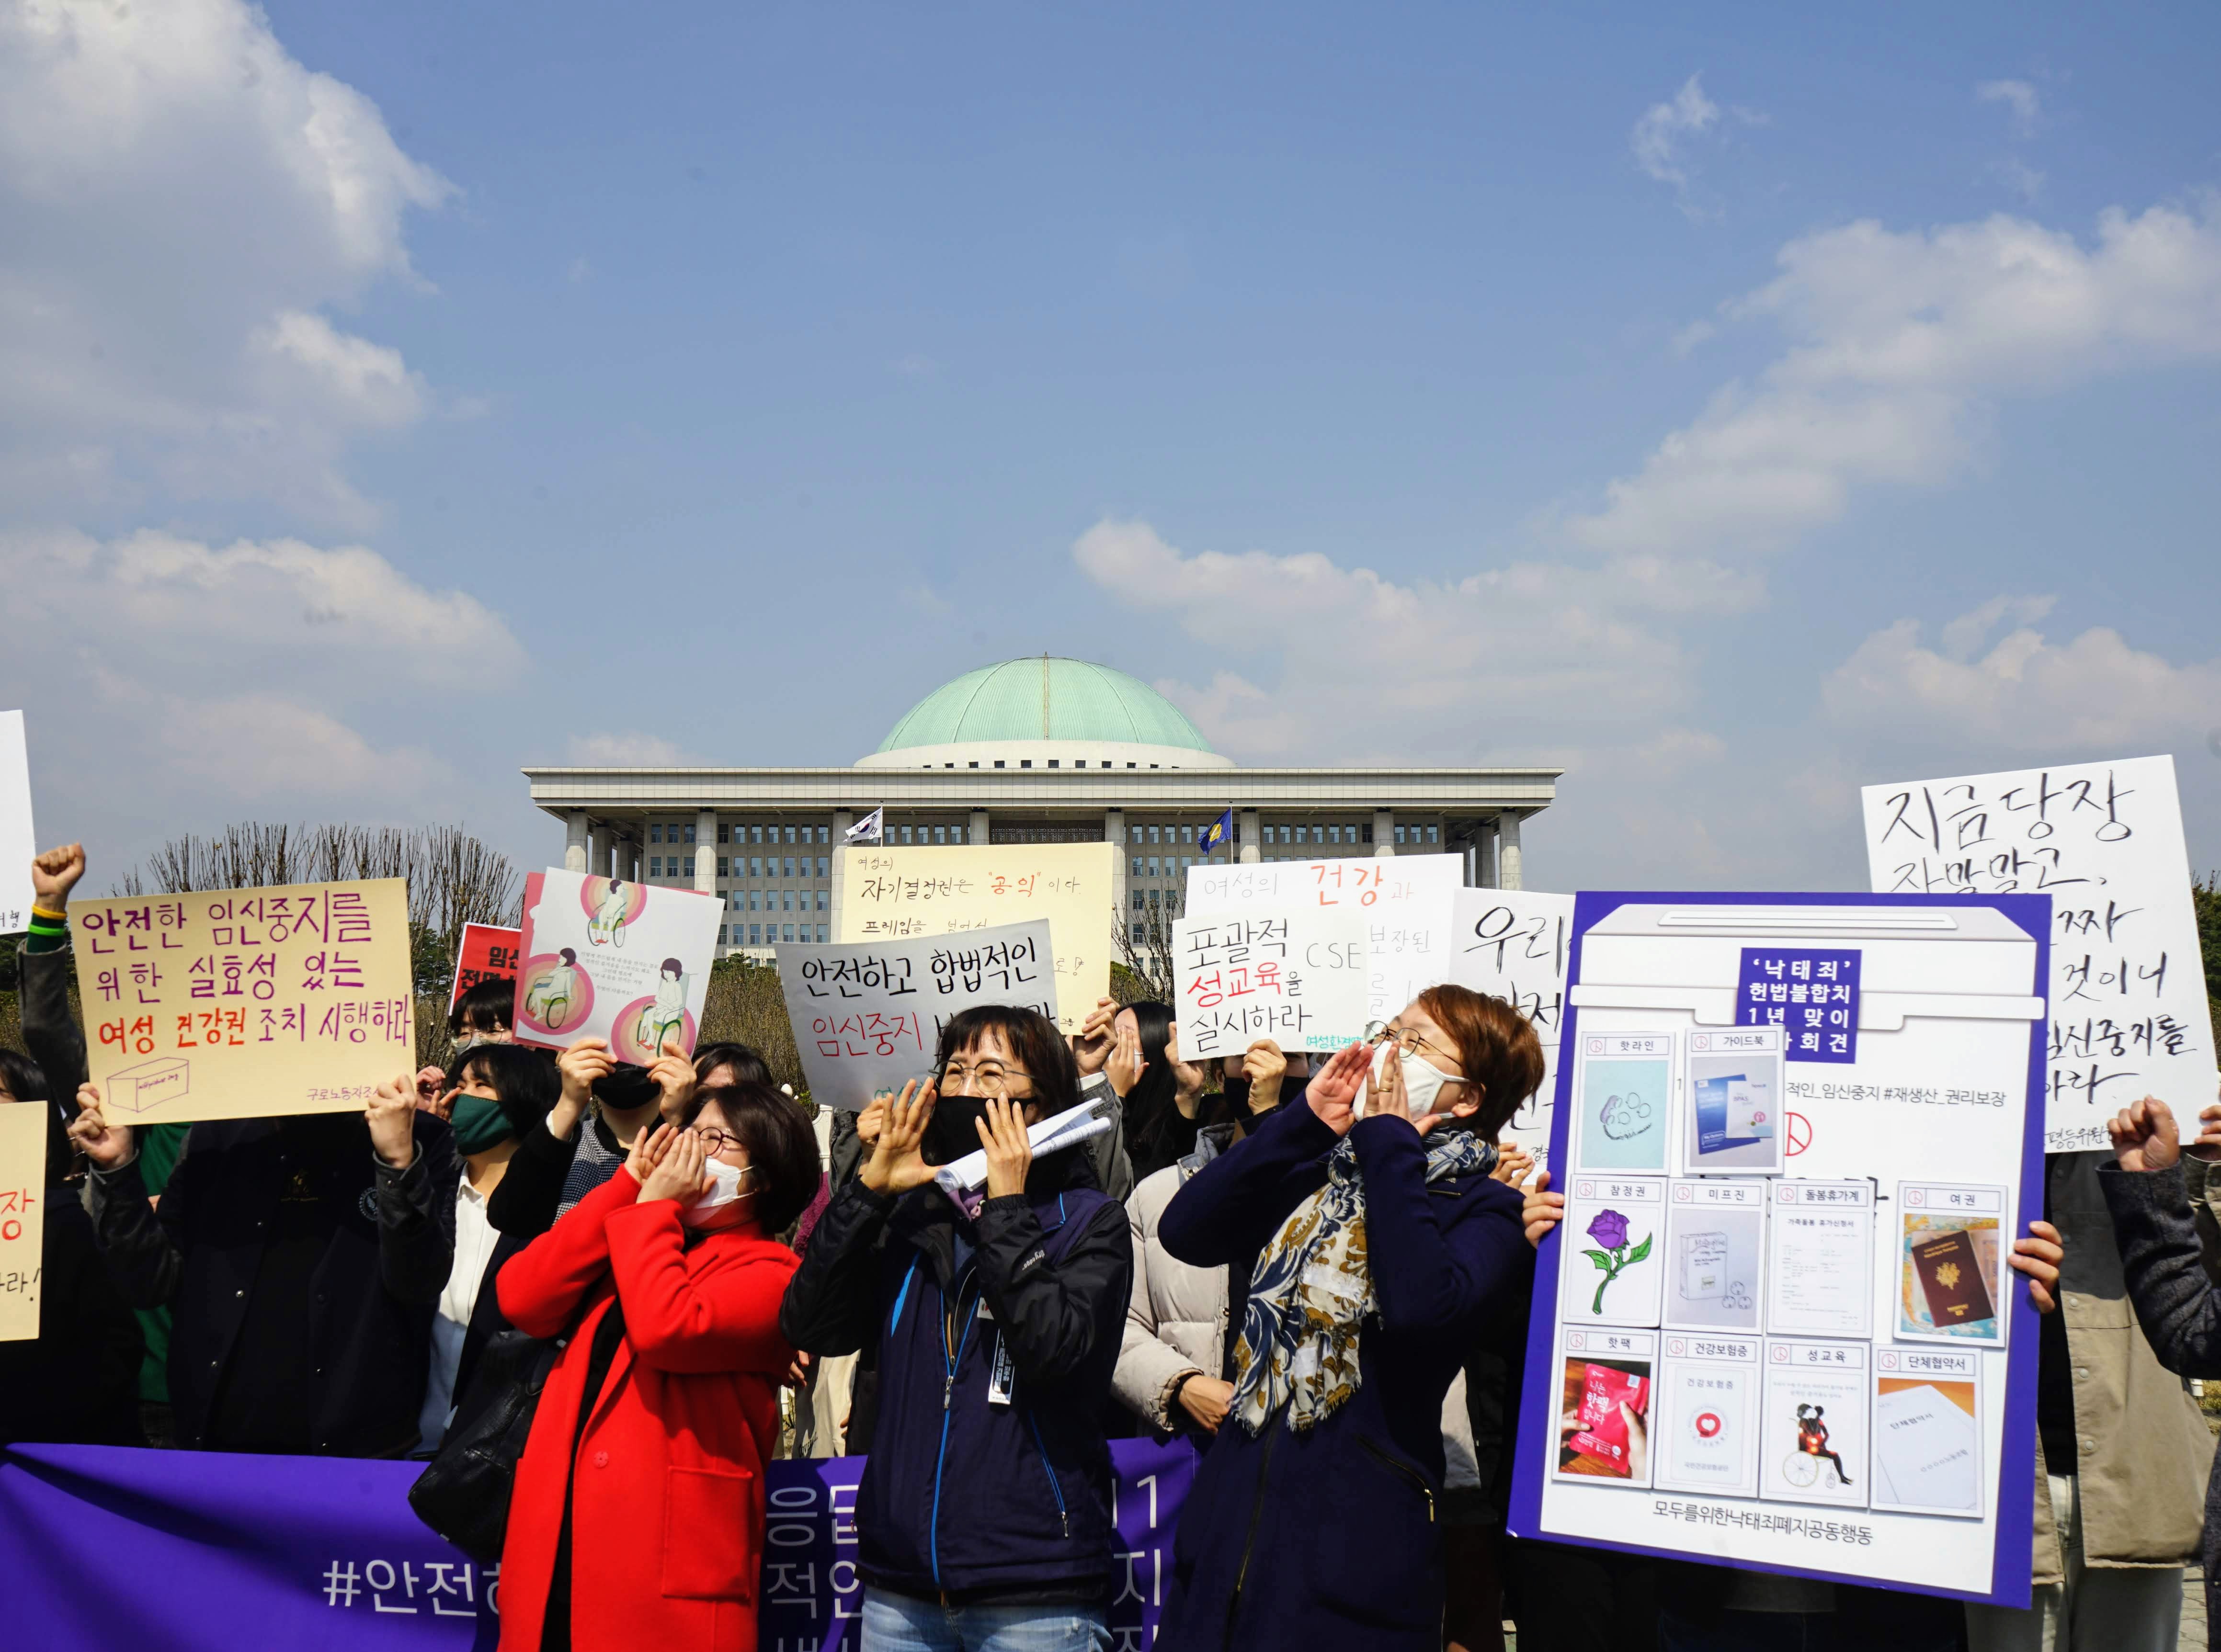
{"x":638,"y":1511}
{"x":1382,"y":1245}
{"x":983,"y":1520}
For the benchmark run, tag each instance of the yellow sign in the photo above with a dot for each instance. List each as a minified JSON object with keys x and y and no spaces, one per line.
{"x":22,"y":1216}
{"x":245,"y":1003}
{"x":883,"y":892}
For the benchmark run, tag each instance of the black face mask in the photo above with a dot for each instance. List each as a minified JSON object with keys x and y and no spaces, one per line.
{"x":1237,"y":1095}
{"x":950,"y":1133}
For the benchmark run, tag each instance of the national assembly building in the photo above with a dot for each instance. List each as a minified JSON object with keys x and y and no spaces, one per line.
{"x":1031,"y":751}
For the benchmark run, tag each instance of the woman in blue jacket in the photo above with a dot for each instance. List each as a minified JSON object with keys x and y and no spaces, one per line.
{"x":983,"y":1520}
{"x":1381,"y":1247}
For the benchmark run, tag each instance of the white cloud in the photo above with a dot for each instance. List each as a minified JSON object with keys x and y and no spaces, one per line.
{"x":1898,"y":341}
{"x":184,"y":201}
{"x":627,"y":749}
{"x":1658,"y":135}
{"x":2018,"y":97}
{"x":171,"y":683}
{"x":2027,"y":694}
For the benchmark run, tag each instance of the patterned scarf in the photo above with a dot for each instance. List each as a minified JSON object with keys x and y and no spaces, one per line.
{"x":1313,"y":1289}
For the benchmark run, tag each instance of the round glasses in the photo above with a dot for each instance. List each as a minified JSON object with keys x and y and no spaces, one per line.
{"x":990,"y":1080}
{"x":1408,"y":1043}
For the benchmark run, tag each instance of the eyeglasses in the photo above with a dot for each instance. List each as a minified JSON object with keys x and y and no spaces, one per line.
{"x":1410,"y":1043}
{"x":716,"y":1141}
{"x":988,"y":1079}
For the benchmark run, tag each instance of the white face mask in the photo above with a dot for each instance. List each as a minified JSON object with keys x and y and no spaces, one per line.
{"x":724,"y":1189}
{"x":1422,"y":1080}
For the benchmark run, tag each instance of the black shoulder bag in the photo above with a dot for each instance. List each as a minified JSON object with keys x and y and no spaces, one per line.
{"x":464,"y":1491}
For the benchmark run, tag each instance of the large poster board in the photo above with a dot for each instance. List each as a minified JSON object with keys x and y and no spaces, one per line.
{"x":1777,"y":1311}
{"x":19,"y":844}
{"x":1298,"y":978}
{"x":1512,"y":944}
{"x":22,"y":1216}
{"x":889,"y":893}
{"x":868,"y":1015}
{"x":246,"y":1003}
{"x":1405,"y":902}
{"x":614,"y":958}
{"x":2129,"y":1011}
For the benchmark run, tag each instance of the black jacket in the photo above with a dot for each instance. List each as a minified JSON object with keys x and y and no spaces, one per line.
{"x":963,"y":1495}
{"x":78,"y":1382}
{"x":368,"y":1319}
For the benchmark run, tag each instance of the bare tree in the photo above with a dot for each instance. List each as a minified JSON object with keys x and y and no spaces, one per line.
{"x":1148,"y":957}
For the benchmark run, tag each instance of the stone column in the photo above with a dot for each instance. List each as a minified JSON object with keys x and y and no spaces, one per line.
{"x":977,"y":832}
{"x":1484,"y":855}
{"x":1114,"y":833}
{"x":1384,"y":832}
{"x":574,"y":841}
{"x":1507,"y":852}
{"x":597,"y":851}
{"x":705,"y":850}
{"x":1252,"y":852}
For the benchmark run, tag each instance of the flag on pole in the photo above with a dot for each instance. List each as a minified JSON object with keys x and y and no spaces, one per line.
{"x":1221,"y":831}
{"x":870,"y":828}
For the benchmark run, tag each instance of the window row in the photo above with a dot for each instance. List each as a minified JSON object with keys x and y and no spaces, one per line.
{"x":776,"y":899}
{"x":1174,"y":865}
{"x":773,"y":866}
{"x":769,"y":935}
{"x":945,"y":834}
{"x":677,"y":832}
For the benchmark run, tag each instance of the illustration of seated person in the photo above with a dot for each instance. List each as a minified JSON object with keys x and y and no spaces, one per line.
{"x":1813,"y":1438}
{"x":668,"y":1013}
{"x":607,"y":925}
{"x":548,"y":1001}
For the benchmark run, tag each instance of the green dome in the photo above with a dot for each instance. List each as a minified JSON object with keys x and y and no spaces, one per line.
{"x":1044,"y":699}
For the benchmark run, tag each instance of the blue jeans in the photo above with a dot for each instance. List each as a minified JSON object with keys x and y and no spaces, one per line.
{"x":900,"y":1622}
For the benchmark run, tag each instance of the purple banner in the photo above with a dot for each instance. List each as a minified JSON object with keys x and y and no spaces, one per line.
{"x":101,"y":1546}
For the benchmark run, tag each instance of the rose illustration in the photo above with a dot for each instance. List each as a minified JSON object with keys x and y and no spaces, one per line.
{"x":1610,"y":1231}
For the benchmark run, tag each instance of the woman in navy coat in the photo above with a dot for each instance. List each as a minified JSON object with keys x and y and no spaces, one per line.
{"x":1377,"y":1249}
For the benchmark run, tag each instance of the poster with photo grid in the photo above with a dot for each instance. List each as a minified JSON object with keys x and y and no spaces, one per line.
{"x":1820,"y":1366}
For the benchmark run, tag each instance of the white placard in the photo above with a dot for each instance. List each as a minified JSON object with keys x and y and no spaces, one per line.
{"x":1705,"y":1434}
{"x":1297,"y":978}
{"x":1510,"y":943}
{"x":614,"y":958}
{"x":868,"y":1015}
{"x":19,"y":844}
{"x":1404,"y":901}
{"x":1615,"y":1231}
{"x":1927,"y":1432}
{"x":1813,"y":1435}
{"x":2129,"y":1011}
{"x":1819,"y":1274}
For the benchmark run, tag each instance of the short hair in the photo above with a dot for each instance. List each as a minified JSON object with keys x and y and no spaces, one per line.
{"x":747,"y":1067}
{"x":1033,"y":1040}
{"x":781,"y":1146}
{"x":1498,"y":1048}
{"x":673,"y":967}
{"x":487,"y":1005}
{"x":525,"y":1081}
{"x":568,"y":955}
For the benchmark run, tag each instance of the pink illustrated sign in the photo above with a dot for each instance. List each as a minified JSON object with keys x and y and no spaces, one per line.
{"x":615,"y":958}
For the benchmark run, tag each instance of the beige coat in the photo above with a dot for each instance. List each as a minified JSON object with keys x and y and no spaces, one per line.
{"x":2146,"y":1450}
{"x":1176,"y":1317}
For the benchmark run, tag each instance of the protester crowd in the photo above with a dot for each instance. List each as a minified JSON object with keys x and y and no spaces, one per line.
{"x":578,"y":1289}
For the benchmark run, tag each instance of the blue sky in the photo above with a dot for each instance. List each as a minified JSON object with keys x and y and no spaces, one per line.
{"x":391,"y":396}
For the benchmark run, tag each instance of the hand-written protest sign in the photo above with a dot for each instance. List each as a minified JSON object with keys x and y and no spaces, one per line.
{"x":22,"y":1216}
{"x":897,"y":894}
{"x":1404,"y":899}
{"x":245,"y":1003}
{"x":611,"y":958}
{"x":868,"y":1015}
{"x":488,"y":952}
{"x":1510,"y":943}
{"x":1298,"y":979}
{"x":18,"y":845}
{"x":2129,"y":1013}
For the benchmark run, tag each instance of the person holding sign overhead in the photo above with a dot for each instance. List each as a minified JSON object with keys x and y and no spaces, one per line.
{"x":1386,"y":1248}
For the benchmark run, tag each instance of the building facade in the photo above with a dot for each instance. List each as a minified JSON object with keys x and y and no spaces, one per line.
{"x":1030,"y":751}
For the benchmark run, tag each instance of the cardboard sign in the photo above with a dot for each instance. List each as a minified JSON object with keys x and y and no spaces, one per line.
{"x":22,"y":1216}
{"x":1827,"y":1235}
{"x":19,"y":844}
{"x":2104,"y":840}
{"x":246,"y":1003}
{"x":1510,"y":943}
{"x":1298,"y":979}
{"x":614,"y":958}
{"x":883,"y":892}
{"x":1405,"y":902}
{"x":868,"y":1016}
{"x":488,"y":952}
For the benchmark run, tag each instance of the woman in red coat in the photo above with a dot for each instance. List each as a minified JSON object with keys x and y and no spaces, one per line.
{"x":637,"y":1520}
